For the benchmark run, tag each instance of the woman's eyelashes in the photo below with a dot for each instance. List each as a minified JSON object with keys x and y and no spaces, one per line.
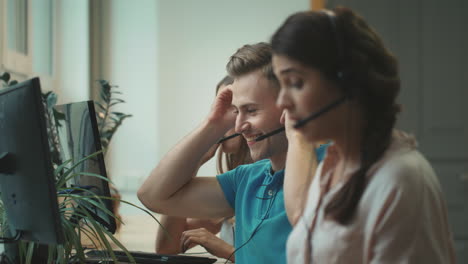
{"x":297,"y":84}
{"x":294,"y":83}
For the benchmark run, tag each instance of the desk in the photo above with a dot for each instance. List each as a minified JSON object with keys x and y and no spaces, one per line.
{"x":138,"y":233}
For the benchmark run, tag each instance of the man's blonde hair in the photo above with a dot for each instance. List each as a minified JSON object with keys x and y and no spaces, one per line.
{"x":250,"y":58}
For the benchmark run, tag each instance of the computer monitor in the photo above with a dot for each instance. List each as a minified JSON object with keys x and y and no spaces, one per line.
{"x":27,"y":182}
{"x":79,"y":137}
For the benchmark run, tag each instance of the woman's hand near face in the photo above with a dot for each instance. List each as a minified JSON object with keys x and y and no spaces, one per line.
{"x":295,"y":137}
{"x":301,"y":163}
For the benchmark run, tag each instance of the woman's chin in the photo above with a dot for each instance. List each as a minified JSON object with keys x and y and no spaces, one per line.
{"x":310,"y":133}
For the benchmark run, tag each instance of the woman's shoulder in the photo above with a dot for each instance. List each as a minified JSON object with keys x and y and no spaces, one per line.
{"x":403,"y":170}
{"x":402,"y":162}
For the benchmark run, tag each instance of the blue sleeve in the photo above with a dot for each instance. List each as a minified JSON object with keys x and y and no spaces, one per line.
{"x":228,"y":184}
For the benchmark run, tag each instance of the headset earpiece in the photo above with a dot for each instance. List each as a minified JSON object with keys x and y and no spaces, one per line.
{"x":340,"y":74}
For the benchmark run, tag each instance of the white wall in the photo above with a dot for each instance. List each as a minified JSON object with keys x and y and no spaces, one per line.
{"x":168,"y":56}
{"x":130,"y":61}
{"x":196,"y":40}
{"x":73,"y":51}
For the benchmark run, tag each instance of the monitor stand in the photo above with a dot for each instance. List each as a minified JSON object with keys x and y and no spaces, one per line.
{"x":10,"y":252}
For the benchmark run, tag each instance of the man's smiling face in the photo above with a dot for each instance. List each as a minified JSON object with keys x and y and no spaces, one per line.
{"x":254,"y":99}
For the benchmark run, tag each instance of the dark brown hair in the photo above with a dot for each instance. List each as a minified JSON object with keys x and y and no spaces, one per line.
{"x":250,"y":58}
{"x":231,"y":160}
{"x":344,"y":42}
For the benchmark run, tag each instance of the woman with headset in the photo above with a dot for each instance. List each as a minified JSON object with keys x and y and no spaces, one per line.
{"x":374,"y":198}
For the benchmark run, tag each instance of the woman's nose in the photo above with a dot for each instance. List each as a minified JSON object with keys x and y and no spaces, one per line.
{"x":283,"y":101}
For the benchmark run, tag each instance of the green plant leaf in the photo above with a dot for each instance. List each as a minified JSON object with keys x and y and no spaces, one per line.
{"x":101,"y":233}
{"x":60,"y":250}
{"x":104,"y":97}
{"x":100,"y":106}
{"x":58,"y":115}
{"x":30,"y":252}
{"x":74,"y":239}
{"x":99,"y":204}
{"x":94,"y":175}
{"x":107,"y":134}
{"x":59,"y":169}
{"x":121,"y":246}
{"x":118,"y":113}
{"x":116,"y":101}
{"x":143,"y":209}
{"x":116,"y":120}
{"x":72,"y":206}
{"x":64,"y":176}
{"x":5,"y":77}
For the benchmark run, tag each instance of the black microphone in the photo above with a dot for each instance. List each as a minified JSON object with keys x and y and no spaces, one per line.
{"x":304,"y":121}
{"x":269,"y":134}
{"x":315,"y":115}
{"x":227,"y":138}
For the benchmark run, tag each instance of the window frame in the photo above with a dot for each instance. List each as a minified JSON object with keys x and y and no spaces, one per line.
{"x":19,"y":65}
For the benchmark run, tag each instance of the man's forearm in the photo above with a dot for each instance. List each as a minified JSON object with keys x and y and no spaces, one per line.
{"x":178,"y":166}
{"x":169,"y":233}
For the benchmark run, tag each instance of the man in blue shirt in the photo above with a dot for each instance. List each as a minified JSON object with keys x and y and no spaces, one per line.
{"x":254,"y":192}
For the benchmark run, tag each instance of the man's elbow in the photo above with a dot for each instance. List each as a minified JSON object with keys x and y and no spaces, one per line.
{"x":148,"y":201}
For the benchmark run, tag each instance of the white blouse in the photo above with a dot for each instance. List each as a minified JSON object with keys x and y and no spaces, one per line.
{"x":227,"y":231}
{"x":401,"y":217}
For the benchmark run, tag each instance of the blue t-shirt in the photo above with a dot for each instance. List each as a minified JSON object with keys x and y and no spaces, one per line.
{"x":321,"y":151}
{"x":258,"y":201}
{"x":256,"y":195}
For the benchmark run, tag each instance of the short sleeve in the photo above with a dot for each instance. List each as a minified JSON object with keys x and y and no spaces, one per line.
{"x":228,"y":184}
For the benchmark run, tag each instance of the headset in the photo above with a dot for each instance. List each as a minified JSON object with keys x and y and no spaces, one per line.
{"x":340,"y":75}
{"x":340,"y":78}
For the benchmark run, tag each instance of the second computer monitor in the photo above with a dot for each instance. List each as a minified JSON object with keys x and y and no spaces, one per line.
{"x":79,"y":137}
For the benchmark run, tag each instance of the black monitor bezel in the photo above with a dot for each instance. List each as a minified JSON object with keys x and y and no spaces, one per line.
{"x":9,"y":186}
{"x":110,"y":225}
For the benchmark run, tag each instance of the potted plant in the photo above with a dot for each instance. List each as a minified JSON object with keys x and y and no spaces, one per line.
{"x":87,"y":228}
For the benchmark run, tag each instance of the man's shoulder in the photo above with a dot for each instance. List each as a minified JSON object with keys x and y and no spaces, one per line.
{"x":244,"y":175}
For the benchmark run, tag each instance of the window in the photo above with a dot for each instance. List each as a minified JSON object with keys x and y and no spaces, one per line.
{"x":28,"y":36}
{"x":43,"y":37}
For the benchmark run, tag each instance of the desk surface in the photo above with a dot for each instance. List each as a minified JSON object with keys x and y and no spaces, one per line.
{"x":138,"y":233}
